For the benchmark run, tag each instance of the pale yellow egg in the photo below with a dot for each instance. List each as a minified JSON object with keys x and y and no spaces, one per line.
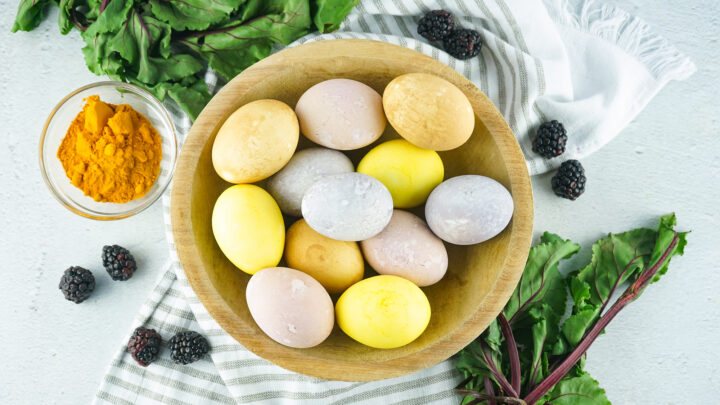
{"x":249,"y":227}
{"x":409,"y":172}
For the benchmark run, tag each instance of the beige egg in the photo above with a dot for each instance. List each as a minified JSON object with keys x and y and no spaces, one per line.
{"x":290,"y":306}
{"x":341,"y":114}
{"x":428,"y":111}
{"x":256,"y":141}
{"x":335,"y":264}
{"x":408,"y":249}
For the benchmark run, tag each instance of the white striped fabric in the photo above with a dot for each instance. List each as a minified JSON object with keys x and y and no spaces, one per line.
{"x":232,"y":373}
{"x":587,"y":64}
{"x":592,"y":66}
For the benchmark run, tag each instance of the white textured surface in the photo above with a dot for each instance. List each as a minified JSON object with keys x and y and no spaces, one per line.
{"x":305,"y":167}
{"x":662,"y":349}
{"x":347,"y":206}
{"x":468,"y":209}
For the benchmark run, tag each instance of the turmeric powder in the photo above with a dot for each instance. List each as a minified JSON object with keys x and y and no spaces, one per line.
{"x":112,"y":153}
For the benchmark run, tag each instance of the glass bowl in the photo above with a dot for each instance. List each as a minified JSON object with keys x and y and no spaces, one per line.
{"x":56,"y":127}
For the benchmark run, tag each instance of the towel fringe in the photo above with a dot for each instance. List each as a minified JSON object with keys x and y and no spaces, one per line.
{"x":629,"y":33}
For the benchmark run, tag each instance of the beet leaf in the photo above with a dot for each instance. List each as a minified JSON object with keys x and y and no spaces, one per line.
{"x":166,"y":46}
{"x":534,"y":353}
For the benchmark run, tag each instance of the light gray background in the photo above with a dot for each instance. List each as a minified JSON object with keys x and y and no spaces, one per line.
{"x":662,"y":349}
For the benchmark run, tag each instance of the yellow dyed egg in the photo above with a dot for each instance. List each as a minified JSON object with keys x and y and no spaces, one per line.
{"x":409,"y":172}
{"x":383,"y":312}
{"x":334,"y":263}
{"x":256,"y":141}
{"x":248,"y":227}
{"x":428,"y":111}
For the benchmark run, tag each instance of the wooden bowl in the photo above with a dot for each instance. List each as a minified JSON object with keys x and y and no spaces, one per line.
{"x":479,"y":279}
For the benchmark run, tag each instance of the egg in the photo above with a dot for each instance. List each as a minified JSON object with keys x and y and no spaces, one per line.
{"x":306,"y":167}
{"x":290,"y":306}
{"x":408,"y":249}
{"x":335,"y":264}
{"x":410,"y":173}
{"x":383,"y":312}
{"x":469,"y":209}
{"x":256,"y":141}
{"x":350,"y":206}
{"x":341,"y":114}
{"x":249,"y":228}
{"x":428,"y":111}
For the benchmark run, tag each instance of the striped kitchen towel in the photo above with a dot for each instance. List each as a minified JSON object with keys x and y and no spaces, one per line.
{"x":590,"y":65}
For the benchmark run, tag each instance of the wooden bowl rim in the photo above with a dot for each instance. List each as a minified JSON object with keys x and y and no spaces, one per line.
{"x":294,"y":359}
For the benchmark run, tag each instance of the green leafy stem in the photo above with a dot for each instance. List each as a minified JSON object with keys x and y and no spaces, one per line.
{"x":628,"y":296}
{"x":531,"y":340}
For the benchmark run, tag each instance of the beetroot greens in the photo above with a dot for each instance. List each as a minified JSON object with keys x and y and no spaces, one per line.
{"x":541,"y":347}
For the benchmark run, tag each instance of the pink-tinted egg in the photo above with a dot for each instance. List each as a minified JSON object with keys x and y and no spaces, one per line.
{"x":341,"y":114}
{"x":290,"y":306}
{"x":408,"y":249}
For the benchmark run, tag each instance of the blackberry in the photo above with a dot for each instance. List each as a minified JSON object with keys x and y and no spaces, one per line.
{"x":569,"y":181}
{"x":187,"y":347}
{"x":77,"y":284}
{"x":144,"y":345}
{"x":463,"y":43}
{"x":118,"y":262}
{"x":436,"y":25}
{"x":550,"y":139}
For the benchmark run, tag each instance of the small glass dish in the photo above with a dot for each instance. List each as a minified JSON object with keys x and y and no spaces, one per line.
{"x":57,"y":125}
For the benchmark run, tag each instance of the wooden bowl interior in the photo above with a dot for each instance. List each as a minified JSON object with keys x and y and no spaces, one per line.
{"x":455,"y":301}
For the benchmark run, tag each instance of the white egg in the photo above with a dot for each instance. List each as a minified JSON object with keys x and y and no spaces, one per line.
{"x":290,"y":306}
{"x":305,"y":168}
{"x":469,"y":209}
{"x":350,"y":207}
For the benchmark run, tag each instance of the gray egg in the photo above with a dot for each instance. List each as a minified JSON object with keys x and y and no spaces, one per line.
{"x":349,"y":207}
{"x":469,"y":209}
{"x":305,"y":168}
